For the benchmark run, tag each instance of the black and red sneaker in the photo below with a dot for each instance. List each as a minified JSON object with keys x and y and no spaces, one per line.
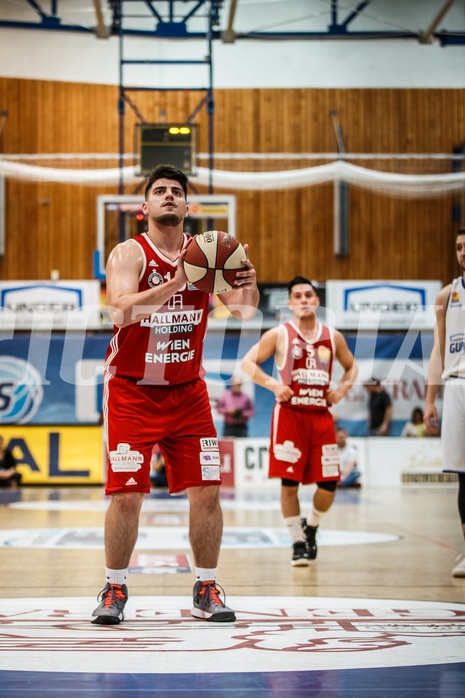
{"x":208,"y":605}
{"x":112,"y":602}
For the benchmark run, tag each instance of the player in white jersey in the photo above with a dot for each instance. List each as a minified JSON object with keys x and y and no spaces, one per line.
{"x":448,"y":362}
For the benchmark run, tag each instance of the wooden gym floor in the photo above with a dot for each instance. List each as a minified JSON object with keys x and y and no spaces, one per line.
{"x":385,"y":556}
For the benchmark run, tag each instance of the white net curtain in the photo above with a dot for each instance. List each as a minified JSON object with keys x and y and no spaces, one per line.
{"x":409,"y":175}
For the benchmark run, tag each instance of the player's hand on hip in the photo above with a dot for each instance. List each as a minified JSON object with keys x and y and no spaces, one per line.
{"x":333,"y":397}
{"x":283,"y":393}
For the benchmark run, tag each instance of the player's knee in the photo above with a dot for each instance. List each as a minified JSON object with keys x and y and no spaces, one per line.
{"x":127,"y":502}
{"x":289,"y":483}
{"x":328,"y":485}
{"x":205,"y":496}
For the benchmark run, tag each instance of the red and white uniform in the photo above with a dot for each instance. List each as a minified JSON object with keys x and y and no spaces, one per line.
{"x":154,"y":391}
{"x":303,"y":440}
{"x":166,"y":347}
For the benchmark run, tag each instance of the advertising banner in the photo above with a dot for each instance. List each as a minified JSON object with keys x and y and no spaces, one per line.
{"x":381,"y":305}
{"x":51,"y":378}
{"x":56,"y":378}
{"x":400,"y":362}
{"x":405,"y":461}
{"x":50,"y":305}
{"x":56,"y":455}
{"x":226,"y":449}
{"x":251,"y":462}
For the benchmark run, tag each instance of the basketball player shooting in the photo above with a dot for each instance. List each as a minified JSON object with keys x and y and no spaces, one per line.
{"x":153,"y":393}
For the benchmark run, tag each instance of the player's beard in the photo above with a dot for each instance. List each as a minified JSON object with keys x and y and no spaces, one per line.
{"x":171,"y":219}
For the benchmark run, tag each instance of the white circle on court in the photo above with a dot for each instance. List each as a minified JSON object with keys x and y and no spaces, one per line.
{"x":270,"y":634}
{"x":177,"y":537}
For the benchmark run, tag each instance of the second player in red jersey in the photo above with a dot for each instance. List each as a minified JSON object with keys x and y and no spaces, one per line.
{"x":303,"y":446}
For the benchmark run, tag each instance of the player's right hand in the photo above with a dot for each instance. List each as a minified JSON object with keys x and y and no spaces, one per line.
{"x":180,"y":273}
{"x":431,"y":418}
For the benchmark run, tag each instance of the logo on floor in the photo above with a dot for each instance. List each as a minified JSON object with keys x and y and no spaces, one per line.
{"x":270,"y":634}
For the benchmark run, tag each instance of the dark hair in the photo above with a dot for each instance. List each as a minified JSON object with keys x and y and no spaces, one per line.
{"x":166,"y":172}
{"x":299,"y":280}
{"x":461,"y":231}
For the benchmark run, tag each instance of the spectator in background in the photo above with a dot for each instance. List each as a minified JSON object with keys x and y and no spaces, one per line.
{"x":347,"y":460}
{"x":236,"y":407}
{"x":416,"y":426}
{"x":8,"y":475}
{"x":379,"y":409}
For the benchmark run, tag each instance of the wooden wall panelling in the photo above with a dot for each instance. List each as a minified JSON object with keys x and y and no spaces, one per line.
{"x":286,"y":229}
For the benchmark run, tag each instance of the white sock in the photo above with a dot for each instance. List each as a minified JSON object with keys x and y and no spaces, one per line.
{"x":204,"y":574}
{"x":292,"y":524}
{"x":315,"y":517}
{"x":116,"y":576}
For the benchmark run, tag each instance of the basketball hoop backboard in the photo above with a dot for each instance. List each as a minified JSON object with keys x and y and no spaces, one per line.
{"x":120,"y":217}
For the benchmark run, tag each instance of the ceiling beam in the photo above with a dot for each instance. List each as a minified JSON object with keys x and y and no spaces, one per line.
{"x":167,"y":27}
{"x":101,"y":31}
{"x":229,"y":35}
{"x":427,"y":36}
{"x":338,"y":27}
{"x":328,"y":35}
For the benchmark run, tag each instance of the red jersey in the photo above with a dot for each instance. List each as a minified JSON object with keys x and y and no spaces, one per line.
{"x":307,"y":366}
{"x":165,"y":348}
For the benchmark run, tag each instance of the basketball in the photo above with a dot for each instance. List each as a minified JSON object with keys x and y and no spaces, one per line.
{"x":212,"y":260}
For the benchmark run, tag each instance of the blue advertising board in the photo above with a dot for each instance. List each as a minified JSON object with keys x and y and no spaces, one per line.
{"x":56,"y":377}
{"x":51,"y":378}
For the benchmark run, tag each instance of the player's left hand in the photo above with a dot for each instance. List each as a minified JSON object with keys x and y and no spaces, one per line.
{"x":247,"y":278}
{"x":334,"y":396}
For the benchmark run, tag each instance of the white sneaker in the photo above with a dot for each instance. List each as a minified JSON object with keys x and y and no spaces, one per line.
{"x":459,"y":569}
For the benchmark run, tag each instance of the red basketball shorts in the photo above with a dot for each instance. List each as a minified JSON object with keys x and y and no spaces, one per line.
{"x":178,"y":418}
{"x":303,"y":445}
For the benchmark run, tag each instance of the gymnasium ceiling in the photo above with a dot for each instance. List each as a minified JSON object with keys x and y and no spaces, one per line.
{"x":423,"y":21}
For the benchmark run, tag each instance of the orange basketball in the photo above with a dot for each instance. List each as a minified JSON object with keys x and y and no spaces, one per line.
{"x":212,"y":261}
